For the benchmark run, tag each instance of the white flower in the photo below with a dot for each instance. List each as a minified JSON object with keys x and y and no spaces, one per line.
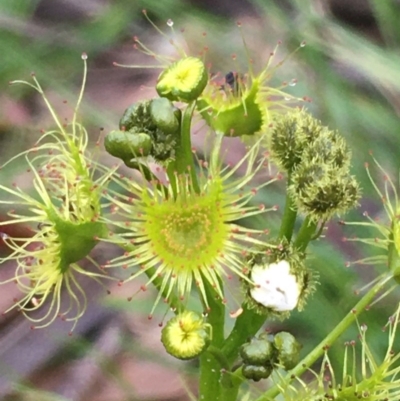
{"x":275,"y":286}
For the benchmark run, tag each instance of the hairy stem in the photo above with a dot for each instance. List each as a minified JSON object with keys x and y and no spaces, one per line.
{"x":305,"y":234}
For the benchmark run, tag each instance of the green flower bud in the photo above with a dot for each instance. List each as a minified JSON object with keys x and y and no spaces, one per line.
{"x":262,"y":353}
{"x":127,"y":145}
{"x":329,"y":148}
{"x":259,"y":356}
{"x":259,"y":351}
{"x":319,"y":161}
{"x":290,"y":136}
{"x":288,"y":349}
{"x":159,"y":120}
{"x":186,"y":335}
{"x":256,"y":373}
{"x":136,"y":115}
{"x":322,"y":190}
{"x":165,"y":115}
{"x":183,"y":80}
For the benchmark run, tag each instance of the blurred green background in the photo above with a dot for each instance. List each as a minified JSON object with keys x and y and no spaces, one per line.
{"x":350,"y":67}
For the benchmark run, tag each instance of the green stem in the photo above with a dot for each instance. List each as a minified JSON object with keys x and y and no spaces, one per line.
{"x":229,"y":392}
{"x":211,"y":363}
{"x":246,"y":326}
{"x":217,"y":382}
{"x":210,"y":375}
{"x":216,"y":314}
{"x":184,"y":158}
{"x":227,"y":387}
{"x":318,"y":351}
{"x":171,"y":171}
{"x":305,"y":234}
{"x":288,"y":218}
{"x":393,"y":257}
{"x":219,"y":356}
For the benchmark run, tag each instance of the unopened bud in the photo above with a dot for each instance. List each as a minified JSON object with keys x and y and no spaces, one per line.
{"x":288,"y":349}
{"x":186,"y":335}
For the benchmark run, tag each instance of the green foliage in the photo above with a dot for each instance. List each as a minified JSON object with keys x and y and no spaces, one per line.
{"x":352,"y":80}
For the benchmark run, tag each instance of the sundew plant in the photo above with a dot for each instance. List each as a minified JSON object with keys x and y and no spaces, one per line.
{"x":182,"y":218}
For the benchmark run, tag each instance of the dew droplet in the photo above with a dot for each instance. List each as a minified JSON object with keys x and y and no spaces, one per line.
{"x":293,"y":82}
{"x":287,"y":98}
{"x":302,"y":44}
{"x":170,"y":23}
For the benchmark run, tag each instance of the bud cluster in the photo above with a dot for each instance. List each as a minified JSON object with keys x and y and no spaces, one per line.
{"x":264,"y":353}
{"x":147,"y":128}
{"x":318,"y":163}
